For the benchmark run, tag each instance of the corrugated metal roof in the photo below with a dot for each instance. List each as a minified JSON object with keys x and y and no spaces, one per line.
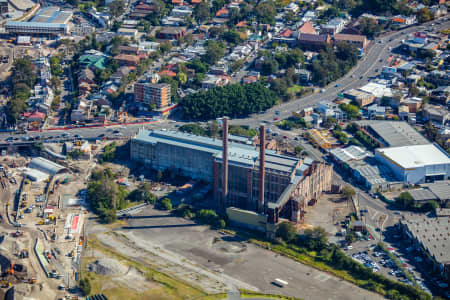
{"x":46,"y":166}
{"x":422,"y":195}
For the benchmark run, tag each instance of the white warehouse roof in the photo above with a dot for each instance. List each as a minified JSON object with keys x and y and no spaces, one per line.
{"x":409,"y":157}
{"x":46,"y":166}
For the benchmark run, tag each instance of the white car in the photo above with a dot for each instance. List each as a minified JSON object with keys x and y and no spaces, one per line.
{"x":349,"y":247}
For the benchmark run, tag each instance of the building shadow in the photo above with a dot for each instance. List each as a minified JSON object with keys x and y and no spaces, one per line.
{"x":160,"y":226}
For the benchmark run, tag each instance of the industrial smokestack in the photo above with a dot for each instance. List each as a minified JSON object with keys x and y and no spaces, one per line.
{"x":262,"y":164}
{"x":224,"y":162}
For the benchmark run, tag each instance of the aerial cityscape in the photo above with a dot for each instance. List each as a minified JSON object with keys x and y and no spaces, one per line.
{"x":225,"y":149}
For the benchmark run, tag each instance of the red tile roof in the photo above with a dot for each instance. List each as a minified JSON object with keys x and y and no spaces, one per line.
{"x":286,"y":33}
{"x":307,"y":28}
{"x":167,"y":73}
{"x":222,"y":11}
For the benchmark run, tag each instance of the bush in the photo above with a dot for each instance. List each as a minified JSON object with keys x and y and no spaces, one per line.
{"x":286,"y":231}
{"x":185,"y":211}
{"x":208,"y":216}
{"x":85,"y":286}
{"x":165,"y":204}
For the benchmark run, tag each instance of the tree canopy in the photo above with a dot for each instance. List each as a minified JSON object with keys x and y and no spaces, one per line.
{"x":23,"y":78}
{"x":233,"y":100}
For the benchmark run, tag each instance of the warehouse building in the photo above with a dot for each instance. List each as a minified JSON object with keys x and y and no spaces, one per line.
{"x":281,"y":188}
{"x":50,"y":21}
{"x":416,"y":164}
{"x":393,"y":133}
{"x":431,"y":237}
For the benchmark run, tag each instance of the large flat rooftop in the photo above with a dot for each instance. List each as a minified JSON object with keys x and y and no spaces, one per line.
{"x":395,"y":133}
{"x":410,"y":157}
{"x":433,"y":233}
{"x":52,"y":14}
{"x":240,"y":154}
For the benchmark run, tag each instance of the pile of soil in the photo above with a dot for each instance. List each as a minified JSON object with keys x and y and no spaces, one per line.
{"x":108,"y":267}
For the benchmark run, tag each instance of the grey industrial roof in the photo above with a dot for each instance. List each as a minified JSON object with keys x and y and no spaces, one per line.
{"x":52,"y":14}
{"x":349,"y":153}
{"x":433,"y":234}
{"x":396,"y":133}
{"x":237,"y":153}
{"x":441,"y":190}
{"x":373,"y":172}
{"x":35,"y":24}
{"x":46,"y":166}
{"x":422,"y":195}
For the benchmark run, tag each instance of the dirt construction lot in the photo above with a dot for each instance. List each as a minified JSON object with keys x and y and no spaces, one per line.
{"x":222,"y":259}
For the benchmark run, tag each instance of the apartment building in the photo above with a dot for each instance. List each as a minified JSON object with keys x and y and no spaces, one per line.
{"x":154,"y":93}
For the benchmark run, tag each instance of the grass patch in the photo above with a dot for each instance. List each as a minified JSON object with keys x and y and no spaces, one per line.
{"x":295,"y":89}
{"x":166,"y":287}
{"x":252,"y":294}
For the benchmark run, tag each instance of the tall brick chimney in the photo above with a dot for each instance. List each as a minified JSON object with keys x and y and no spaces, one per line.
{"x":224,"y":162}
{"x":262,"y":164}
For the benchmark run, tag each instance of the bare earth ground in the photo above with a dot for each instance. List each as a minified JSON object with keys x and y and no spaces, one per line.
{"x":215,"y":262}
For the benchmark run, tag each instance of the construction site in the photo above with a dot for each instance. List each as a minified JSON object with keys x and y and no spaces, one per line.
{"x":42,"y":216}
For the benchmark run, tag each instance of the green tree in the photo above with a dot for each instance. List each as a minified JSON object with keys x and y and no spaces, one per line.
{"x":369,"y":27}
{"x":286,"y":231}
{"x":165,"y":47}
{"x":201,"y":12}
{"x":182,"y":78}
{"x":350,"y":237}
{"x":348,"y":192}
{"x":165,"y":204}
{"x":269,"y":67}
{"x":424,"y":15}
{"x":193,"y":129}
{"x":404,"y":200}
{"x":214,"y":51}
{"x":298,"y":150}
{"x":116,"y":8}
{"x":213,"y":128}
{"x":351,"y":110}
{"x":265,"y":12}
{"x":85,"y":286}
{"x":232,"y":100}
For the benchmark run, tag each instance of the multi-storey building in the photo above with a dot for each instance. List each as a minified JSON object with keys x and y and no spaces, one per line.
{"x":154,"y":93}
{"x":281,"y":188}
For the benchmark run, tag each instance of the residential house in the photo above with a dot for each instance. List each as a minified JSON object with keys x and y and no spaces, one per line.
{"x":441,"y":95}
{"x":121,"y":73}
{"x":212,"y":81}
{"x":171,"y":33}
{"x":142,"y":10}
{"x":307,"y":27}
{"x":413,"y":103}
{"x":86,"y":76}
{"x":129,"y":50}
{"x":291,"y":7}
{"x":304,"y":75}
{"x":93,"y":59}
{"x":127,"y":32}
{"x":333,"y":26}
{"x":403,"y":20}
{"x":313,"y":41}
{"x":223,"y":13}
{"x":127,"y":60}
